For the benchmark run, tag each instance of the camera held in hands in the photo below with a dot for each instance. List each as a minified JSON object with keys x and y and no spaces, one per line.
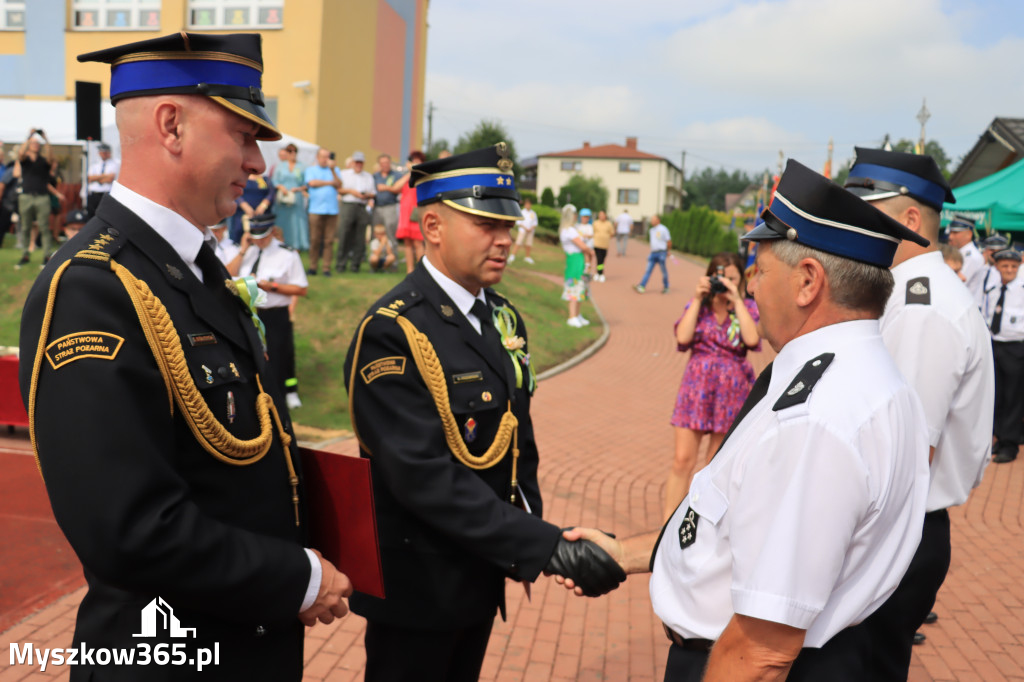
{"x":717,"y":287}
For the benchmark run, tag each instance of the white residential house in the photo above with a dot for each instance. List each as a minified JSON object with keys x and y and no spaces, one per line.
{"x":643,"y":183}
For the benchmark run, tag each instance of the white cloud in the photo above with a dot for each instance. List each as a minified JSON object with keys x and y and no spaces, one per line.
{"x":732,"y":80}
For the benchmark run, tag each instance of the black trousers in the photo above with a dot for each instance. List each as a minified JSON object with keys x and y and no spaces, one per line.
{"x":93,"y":201}
{"x":280,"y":347}
{"x":600,"y":253}
{"x":352,"y":223}
{"x":394,"y":654}
{"x":1009,"y":409}
{"x":877,"y":649}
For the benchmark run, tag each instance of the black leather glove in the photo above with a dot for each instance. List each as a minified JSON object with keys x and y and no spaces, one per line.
{"x":592,"y":569}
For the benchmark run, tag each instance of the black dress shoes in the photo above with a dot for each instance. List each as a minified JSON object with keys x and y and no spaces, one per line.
{"x":931,"y":618}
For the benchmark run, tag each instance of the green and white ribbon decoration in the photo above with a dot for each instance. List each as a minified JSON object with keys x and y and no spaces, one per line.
{"x":505,"y":322}
{"x":252,"y":296}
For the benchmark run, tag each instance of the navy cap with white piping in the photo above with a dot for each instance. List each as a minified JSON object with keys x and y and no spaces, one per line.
{"x":878,"y":174}
{"x":810,"y":209}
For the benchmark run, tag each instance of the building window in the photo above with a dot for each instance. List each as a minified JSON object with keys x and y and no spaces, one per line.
{"x":629,"y":196}
{"x":220,"y":14}
{"x":116,"y":15}
{"x":12,"y":15}
{"x":629,"y":166}
{"x":572,"y":165}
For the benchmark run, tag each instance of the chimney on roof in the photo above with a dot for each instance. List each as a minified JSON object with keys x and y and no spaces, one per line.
{"x":631,"y":143}
{"x":586,"y":145}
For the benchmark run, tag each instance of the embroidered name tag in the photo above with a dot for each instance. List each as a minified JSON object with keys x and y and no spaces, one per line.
{"x":102,"y":345}
{"x":383,"y":367}
{"x":202,"y":339}
{"x":467,"y":377}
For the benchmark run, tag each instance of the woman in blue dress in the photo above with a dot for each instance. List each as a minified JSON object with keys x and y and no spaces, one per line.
{"x":291,"y":201}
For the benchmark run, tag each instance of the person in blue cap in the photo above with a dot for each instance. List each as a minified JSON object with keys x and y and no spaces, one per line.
{"x":937,"y":337}
{"x":175,"y":480}
{"x":990,"y":246}
{"x":439,"y":382}
{"x":809,"y":513}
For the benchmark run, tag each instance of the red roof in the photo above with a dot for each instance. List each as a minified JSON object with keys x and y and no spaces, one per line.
{"x":606,"y":151}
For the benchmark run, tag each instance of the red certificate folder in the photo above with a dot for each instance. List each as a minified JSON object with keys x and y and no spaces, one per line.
{"x":342,"y":522}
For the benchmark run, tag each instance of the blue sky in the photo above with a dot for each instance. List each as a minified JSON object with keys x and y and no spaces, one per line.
{"x":730,"y":81}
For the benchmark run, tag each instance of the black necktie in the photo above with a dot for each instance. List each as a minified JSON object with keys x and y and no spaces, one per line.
{"x":213,"y":270}
{"x":997,"y":314}
{"x":483,"y":313}
{"x":256,"y":265}
{"x":758,"y":391}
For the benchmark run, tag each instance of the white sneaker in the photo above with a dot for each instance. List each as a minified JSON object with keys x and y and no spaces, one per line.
{"x":574,"y":322}
{"x":292,"y":399}
{"x":512,"y":258}
{"x":583,"y":321}
{"x":529,"y":260}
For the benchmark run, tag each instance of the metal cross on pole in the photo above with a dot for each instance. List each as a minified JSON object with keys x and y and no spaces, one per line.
{"x":923,"y":117}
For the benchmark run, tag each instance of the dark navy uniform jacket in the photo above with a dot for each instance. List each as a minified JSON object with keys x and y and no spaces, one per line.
{"x":449,"y":534}
{"x":149,"y":512}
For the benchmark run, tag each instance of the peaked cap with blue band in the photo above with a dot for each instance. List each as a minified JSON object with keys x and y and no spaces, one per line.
{"x":226,"y":68}
{"x":961,"y":222}
{"x":262,"y":225}
{"x":878,"y":174}
{"x":478,"y":182}
{"x":810,"y":209}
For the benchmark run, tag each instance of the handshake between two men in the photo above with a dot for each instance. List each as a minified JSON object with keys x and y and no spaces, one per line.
{"x":582,"y":563}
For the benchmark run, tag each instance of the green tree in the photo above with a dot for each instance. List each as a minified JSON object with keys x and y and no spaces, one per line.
{"x":435,"y":148}
{"x":709,"y":187}
{"x":486,"y":134}
{"x":584,"y":193}
{"x":932,"y":148}
{"x":547,"y":197}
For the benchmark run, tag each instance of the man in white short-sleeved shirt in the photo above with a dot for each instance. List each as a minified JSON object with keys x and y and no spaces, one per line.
{"x":807,"y":517}
{"x":961,"y":235}
{"x":623,"y":228}
{"x":527,"y":226}
{"x":938,"y":338}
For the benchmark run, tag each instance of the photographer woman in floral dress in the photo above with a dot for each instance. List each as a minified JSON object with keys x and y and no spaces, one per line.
{"x":718,"y":327}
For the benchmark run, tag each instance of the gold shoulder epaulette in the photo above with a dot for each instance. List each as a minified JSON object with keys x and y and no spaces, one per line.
{"x":98,"y":249}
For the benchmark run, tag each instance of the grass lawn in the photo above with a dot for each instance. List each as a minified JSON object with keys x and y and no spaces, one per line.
{"x":327,"y":318}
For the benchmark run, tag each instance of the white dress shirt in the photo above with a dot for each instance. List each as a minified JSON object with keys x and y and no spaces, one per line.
{"x":1011,"y":326}
{"x":102,"y":167}
{"x":623,"y":224}
{"x":973,"y":269}
{"x":360,"y":182}
{"x":939,"y":340}
{"x":810,"y":514}
{"x":462,"y":298}
{"x":277,"y":264}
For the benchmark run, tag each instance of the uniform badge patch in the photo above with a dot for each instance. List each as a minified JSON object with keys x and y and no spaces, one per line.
{"x":486,"y":396}
{"x":382,"y":367}
{"x":469,"y":432}
{"x":919,"y":291}
{"x":800,"y":390}
{"x":102,"y":345}
{"x":173,"y":271}
{"x":447,"y":310}
{"x":688,"y":528}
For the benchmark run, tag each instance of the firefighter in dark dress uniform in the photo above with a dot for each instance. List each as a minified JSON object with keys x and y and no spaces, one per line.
{"x":439,"y":383}
{"x":175,"y":479}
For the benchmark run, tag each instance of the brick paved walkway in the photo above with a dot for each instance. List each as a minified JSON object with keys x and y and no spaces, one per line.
{"x":606,"y":447}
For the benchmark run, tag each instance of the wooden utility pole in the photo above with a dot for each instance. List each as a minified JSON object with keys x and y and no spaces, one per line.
{"x":923,"y":117}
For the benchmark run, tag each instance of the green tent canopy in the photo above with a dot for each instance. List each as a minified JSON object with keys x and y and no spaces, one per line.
{"x":996,"y":202}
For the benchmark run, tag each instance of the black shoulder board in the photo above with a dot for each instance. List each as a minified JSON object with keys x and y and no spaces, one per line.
{"x":919,"y":290}
{"x":798,"y":391}
{"x":102,"y":246}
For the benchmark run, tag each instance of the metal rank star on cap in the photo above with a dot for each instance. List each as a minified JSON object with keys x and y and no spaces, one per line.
{"x":877,"y":174}
{"x":478,"y":182}
{"x":810,"y":209}
{"x":226,"y":68}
